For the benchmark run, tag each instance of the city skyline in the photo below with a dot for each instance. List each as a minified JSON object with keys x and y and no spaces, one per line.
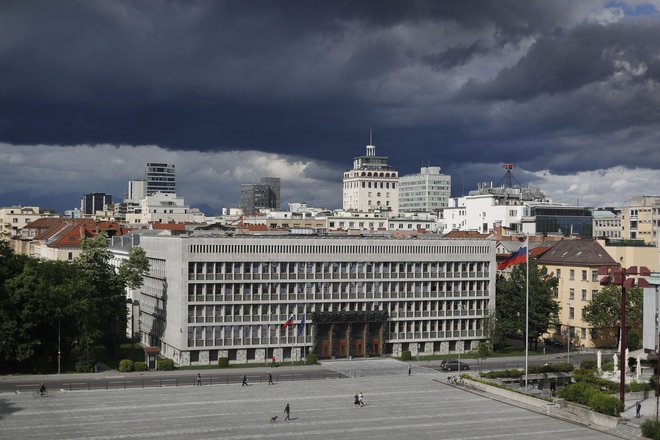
{"x":567,"y":92}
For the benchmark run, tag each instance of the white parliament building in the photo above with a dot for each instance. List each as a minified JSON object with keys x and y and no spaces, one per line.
{"x":210,"y":295}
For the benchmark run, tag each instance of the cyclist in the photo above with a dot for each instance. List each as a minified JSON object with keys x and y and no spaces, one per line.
{"x":42,"y":389}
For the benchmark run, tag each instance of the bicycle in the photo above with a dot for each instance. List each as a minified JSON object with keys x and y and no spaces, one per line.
{"x":40,"y":394}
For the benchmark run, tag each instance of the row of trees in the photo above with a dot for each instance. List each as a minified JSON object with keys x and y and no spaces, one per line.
{"x":602,"y":312}
{"x":83,"y":301}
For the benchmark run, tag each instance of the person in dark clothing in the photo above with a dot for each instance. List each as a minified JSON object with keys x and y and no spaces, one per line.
{"x":42,"y":389}
{"x":245,"y":384}
{"x":356,"y":402}
{"x":639,"y":408}
{"x":287,"y":411}
{"x":409,"y":369}
{"x":199,"y":379}
{"x":270,"y":379}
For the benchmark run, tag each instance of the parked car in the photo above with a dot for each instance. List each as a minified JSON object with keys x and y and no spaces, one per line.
{"x":453,"y":365}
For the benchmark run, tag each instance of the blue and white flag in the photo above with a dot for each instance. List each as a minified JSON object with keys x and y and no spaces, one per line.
{"x":301,"y":326}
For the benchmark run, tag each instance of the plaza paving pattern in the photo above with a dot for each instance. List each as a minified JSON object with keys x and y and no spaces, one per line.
{"x":398,"y":405}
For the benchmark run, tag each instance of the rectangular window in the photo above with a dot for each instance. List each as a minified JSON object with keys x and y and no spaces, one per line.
{"x":571,"y":293}
{"x":594,"y":293}
{"x":558,"y":273}
{"x":594,"y":275}
{"x":571,"y":313}
{"x":572,"y":275}
{"x":584,"y":275}
{"x":584,"y":294}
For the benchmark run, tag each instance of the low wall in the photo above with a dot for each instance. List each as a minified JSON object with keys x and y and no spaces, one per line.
{"x":572,"y":411}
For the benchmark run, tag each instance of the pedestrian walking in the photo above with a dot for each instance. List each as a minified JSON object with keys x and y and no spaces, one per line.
{"x":270,"y":379}
{"x":287,"y":412}
{"x":361,"y":399}
{"x":356,"y":402}
{"x":245,"y":384}
{"x":199,"y":379}
{"x":639,"y":408}
{"x":409,"y":369}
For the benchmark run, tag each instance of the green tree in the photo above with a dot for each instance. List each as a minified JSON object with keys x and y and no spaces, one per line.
{"x":510,"y":305}
{"x":603,"y":313}
{"x":132,"y":270}
{"x":484,"y":349}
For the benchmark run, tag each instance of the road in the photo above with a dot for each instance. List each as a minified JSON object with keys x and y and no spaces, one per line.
{"x":159,"y":379}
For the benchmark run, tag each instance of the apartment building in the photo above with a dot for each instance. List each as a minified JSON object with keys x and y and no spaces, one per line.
{"x":575,"y":263}
{"x":213,"y":295}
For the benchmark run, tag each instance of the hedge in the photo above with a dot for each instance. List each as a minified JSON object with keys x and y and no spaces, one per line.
{"x":587,"y":394}
{"x":165,"y":364}
{"x":223,"y":362}
{"x":139,"y":366}
{"x":588,"y":364}
{"x":503,"y":374}
{"x":651,"y":429}
{"x":312,"y":358}
{"x":406,"y":355}
{"x":126,"y":365}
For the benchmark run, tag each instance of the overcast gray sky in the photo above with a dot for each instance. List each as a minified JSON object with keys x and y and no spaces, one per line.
{"x":568,"y":91}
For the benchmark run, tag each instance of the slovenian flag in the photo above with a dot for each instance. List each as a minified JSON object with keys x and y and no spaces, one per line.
{"x":301,"y":326}
{"x":288,"y":322}
{"x":518,"y":257}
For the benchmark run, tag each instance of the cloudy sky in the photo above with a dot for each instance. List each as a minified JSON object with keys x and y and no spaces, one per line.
{"x":230,"y":91}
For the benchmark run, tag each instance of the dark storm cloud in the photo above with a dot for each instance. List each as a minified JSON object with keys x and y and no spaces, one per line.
{"x":544,"y":84}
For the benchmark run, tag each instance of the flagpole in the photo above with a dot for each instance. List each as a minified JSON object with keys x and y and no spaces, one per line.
{"x":526,"y":308}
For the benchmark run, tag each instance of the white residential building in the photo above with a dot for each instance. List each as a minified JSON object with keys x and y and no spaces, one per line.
{"x":372,"y":185}
{"x":428,"y":191}
{"x":164,"y":208}
{"x":607,"y":223}
{"x":210,"y":296}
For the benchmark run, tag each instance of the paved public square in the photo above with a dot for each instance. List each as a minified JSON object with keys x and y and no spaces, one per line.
{"x":397,"y":405}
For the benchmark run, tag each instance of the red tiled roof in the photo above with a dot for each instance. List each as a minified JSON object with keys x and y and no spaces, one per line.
{"x":169,"y":226}
{"x":465,"y":234}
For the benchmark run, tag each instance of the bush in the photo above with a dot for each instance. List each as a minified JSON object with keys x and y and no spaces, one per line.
{"x":651,"y":429}
{"x":312,"y":358}
{"x":580,"y":392}
{"x":550,"y":368}
{"x":85,"y":366}
{"x":583,"y":375}
{"x":165,"y":364}
{"x":607,"y":366}
{"x":638,"y":386}
{"x":605,"y":404}
{"x":139,"y":366}
{"x":126,"y":365}
{"x":503,"y":374}
{"x":588,"y":364}
{"x":406,"y":355}
{"x":223,"y":362}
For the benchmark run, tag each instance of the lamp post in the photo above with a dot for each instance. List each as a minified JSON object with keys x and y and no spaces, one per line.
{"x":617,"y":276}
{"x":568,"y":335}
{"x":59,"y":345}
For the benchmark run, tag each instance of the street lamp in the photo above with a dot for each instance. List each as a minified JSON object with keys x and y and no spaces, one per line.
{"x":59,"y":346}
{"x":568,"y":335}
{"x":617,"y":277}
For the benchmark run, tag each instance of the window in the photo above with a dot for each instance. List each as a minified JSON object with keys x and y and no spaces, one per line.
{"x":584,"y":334}
{"x":558,"y":273}
{"x":594,"y":275}
{"x":572,"y":274}
{"x":584,"y":294}
{"x":594,"y":293}
{"x":571,"y":293}
{"x":571,"y":313}
{"x":584,"y":275}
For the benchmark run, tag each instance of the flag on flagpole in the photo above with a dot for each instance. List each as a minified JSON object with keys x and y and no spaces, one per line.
{"x":301,"y":326}
{"x":288,"y":322}
{"x":518,"y":257}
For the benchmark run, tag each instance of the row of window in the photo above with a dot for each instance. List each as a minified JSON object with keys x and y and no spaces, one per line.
{"x":457,"y":268}
{"x":584,"y":275}
{"x":324,"y":249}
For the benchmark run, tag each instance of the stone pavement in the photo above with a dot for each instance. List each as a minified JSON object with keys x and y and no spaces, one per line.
{"x":397,"y":406}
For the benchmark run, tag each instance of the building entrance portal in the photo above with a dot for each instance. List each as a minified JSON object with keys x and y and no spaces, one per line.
{"x":349,"y":334}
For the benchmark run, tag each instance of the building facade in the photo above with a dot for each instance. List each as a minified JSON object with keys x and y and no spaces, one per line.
{"x":428,"y":191}
{"x":372,"y":184}
{"x":575,"y":263}
{"x":90,"y":203}
{"x":160,"y":177}
{"x":607,"y":223}
{"x":15,"y":218}
{"x":258,"y":196}
{"x":227,"y":296}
